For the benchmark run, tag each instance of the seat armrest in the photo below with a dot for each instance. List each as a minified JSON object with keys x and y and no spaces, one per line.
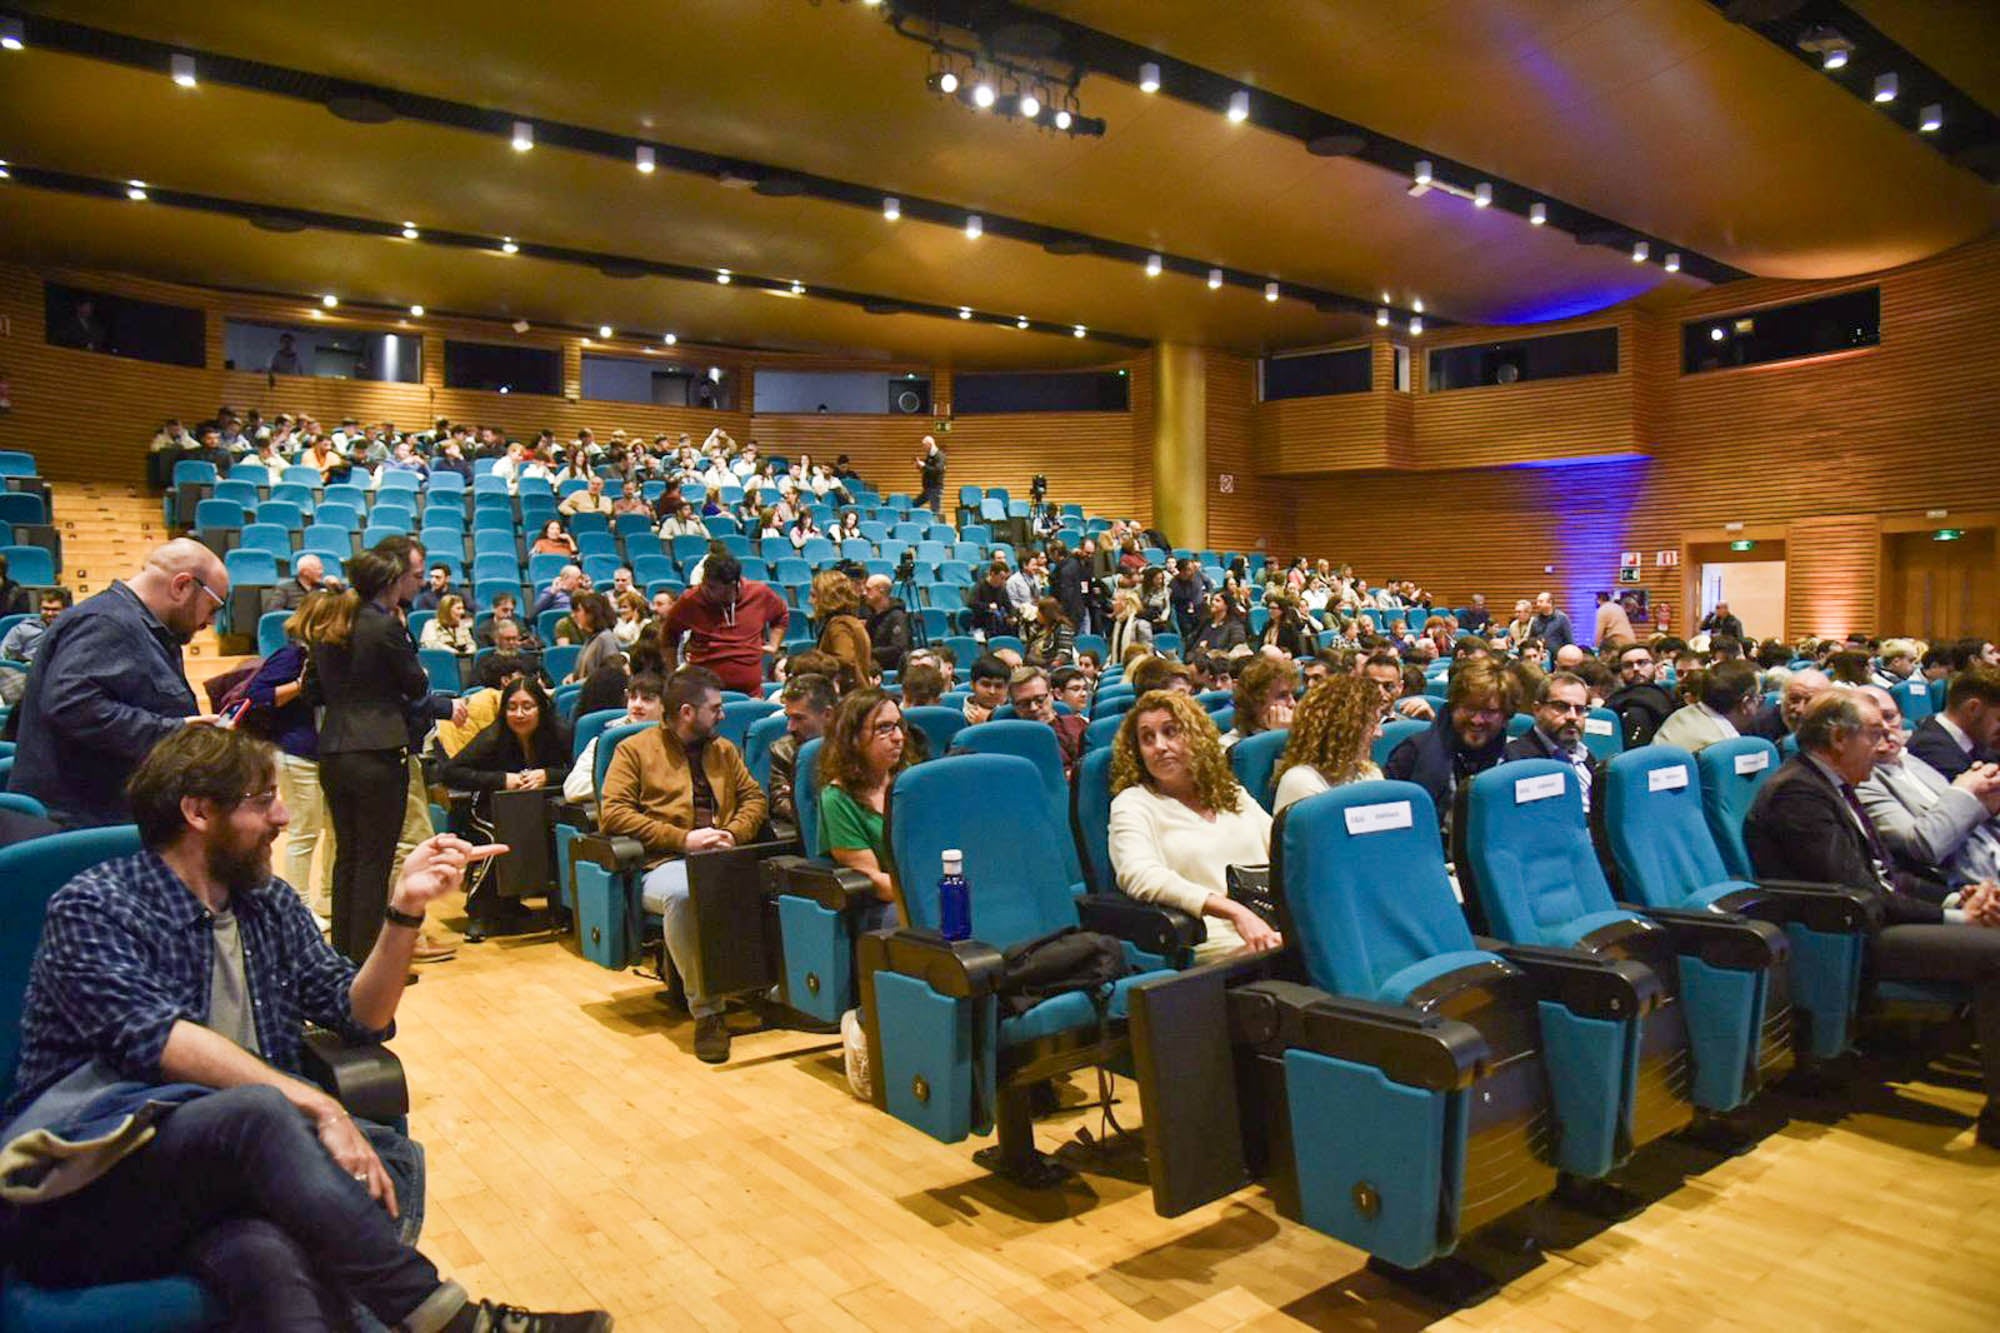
{"x":1586,"y":984}
{"x":1423,"y":1050}
{"x":367,"y":1079}
{"x":1167,"y":931}
{"x":834,"y":887}
{"x":575,"y":815}
{"x":612,"y":851}
{"x":961,"y":969}
{"x":1837,"y":908}
{"x":1734,"y":943}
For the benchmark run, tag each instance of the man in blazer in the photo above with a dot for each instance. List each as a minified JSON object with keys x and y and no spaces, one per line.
{"x":1928,"y":824}
{"x":1729,"y":700}
{"x":1560,"y":708}
{"x":1968,"y":729}
{"x":1807,"y":823}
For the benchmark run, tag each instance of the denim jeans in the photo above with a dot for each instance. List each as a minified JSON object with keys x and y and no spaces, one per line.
{"x":665,"y":890}
{"x":236,"y":1191}
{"x":310,"y":831}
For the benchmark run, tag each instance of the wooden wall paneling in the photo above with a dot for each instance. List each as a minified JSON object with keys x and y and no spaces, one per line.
{"x":1590,"y":416}
{"x":1831,"y":571}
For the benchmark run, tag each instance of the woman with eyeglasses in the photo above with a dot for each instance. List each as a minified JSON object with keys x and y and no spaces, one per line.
{"x":862,"y":753}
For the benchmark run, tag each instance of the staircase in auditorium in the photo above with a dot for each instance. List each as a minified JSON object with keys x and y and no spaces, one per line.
{"x":107,"y":529}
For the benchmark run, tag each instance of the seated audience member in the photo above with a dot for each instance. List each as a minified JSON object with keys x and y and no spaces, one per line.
{"x":684,"y":522}
{"x":596,"y":627}
{"x":590,"y":500}
{"x":1051,"y":638}
{"x":526,"y":748}
{"x":1467,"y":738}
{"x":860,"y":756}
{"x":1386,"y":672}
{"x":1807,"y":823}
{"x":435,"y":590}
{"x":1945,"y":830}
{"x":1129,"y":627}
{"x":989,"y":687}
{"x":631,"y":622}
{"x":1222,"y":631}
{"x":642,"y":704}
{"x":448,"y":629}
{"x":1801,"y":688}
{"x":1033,"y":698}
{"x":1898,"y":658}
{"x":681,"y":790}
{"x":1728,"y":700}
{"x":252,"y":1180}
{"x":1267,"y":691}
{"x":1850,"y":668}
{"x":24,"y":639}
{"x":923,"y":685}
{"x":1179,"y":820}
{"x":553,"y":540}
{"x":309,"y":578}
{"x":1639,"y":701}
{"x":992,"y":610}
{"x":1332,"y":732}
{"x":842,"y":634}
{"x":1967,"y":732}
{"x":1561,"y":706}
{"x":562,"y":591}
{"x":1160,"y":673}
{"x":1072,"y":686}
{"x":808,"y":701}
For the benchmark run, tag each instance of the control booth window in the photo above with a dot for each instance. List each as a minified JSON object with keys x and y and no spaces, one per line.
{"x":322,"y":353}
{"x":92,"y":321}
{"x":503,"y":369}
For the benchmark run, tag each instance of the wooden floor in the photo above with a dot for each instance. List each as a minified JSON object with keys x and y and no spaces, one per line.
{"x":579,"y":1154}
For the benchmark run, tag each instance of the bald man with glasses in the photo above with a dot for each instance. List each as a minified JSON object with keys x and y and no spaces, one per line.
{"x":108,"y":684}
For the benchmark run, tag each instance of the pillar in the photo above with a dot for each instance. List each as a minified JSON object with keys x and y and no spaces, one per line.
{"x":1180,"y":444}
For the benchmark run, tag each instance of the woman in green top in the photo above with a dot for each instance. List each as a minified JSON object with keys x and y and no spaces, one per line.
{"x":862,"y":753}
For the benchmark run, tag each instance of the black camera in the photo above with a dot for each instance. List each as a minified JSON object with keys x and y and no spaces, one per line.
{"x":1039,"y":487}
{"x":906,"y":568}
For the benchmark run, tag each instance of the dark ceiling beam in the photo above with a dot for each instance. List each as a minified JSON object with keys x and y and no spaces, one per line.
{"x":1001,"y":24}
{"x":283,"y":217}
{"x":374,"y":103}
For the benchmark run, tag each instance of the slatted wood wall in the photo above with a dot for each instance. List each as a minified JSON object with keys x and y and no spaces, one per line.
{"x":1256,"y":514}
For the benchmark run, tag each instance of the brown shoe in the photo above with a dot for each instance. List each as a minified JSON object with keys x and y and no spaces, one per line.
{"x":431,"y":950}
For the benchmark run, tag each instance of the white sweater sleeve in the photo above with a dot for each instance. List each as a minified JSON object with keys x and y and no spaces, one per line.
{"x":1135,"y":857}
{"x":578,"y":785}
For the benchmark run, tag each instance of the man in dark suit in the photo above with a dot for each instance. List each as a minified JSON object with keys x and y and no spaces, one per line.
{"x":1808,"y":824}
{"x":1721,"y":621}
{"x":1560,"y":708}
{"x":1967,"y":732}
{"x":1641,"y":704}
{"x":1467,"y":738}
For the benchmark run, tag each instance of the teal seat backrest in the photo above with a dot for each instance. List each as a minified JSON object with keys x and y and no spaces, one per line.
{"x":1913,"y":696}
{"x":1654,"y":823}
{"x":757,"y":743}
{"x":607,"y":745}
{"x":805,"y":794}
{"x":1255,"y":759}
{"x":1394,"y":733}
{"x":1101,"y":730}
{"x":738,"y":714}
{"x":1364,"y":883}
{"x":1731,"y":773}
{"x":1603,"y":734}
{"x":1532,"y":860}
{"x":1036,"y":743}
{"x":1093,"y":816}
{"x":938,"y":723}
{"x":589,"y":727}
{"x":989,"y":807}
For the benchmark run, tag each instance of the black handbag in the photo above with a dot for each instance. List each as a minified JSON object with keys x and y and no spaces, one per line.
{"x":1251,"y":886}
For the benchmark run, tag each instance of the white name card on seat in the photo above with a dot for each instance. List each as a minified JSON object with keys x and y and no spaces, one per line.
{"x":1598,"y":726}
{"x":1538,"y":789}
{"x":1666,"y":779}
{"x":1754,"y":762}
{"x":1378,"y":818}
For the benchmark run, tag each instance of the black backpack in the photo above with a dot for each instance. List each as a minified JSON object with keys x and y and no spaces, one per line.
{"x":1070,"y":959}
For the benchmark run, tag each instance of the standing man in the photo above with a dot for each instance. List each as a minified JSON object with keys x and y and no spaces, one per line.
{"x":1074,"y":582}
{"x":1551,"y":626}
{"x":1613,"y":624}
{"x":1720,"y":621}
{"x":732,"y":624}
{"x":108,"y":684}
{"x":1187,"y":594}
{"x":930,"y":464}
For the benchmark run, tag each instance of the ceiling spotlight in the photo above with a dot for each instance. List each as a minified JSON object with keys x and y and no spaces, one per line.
{"x":1021,"y":322}
{"x":892,"y":207}
{"x":520,"y":326}
{"x":1416,"y":326}
{"x":1149,"y":77}
{"x":524,"y":136}
{"x":1214,"y":279}
{"x":1885,"y":87}
{"x":947,"y":82}
{"x":11,"y":35}
{"x":1270,"y":291}
{"x":1537,"y":214}
{"x":1079,"y":331}
{"x":417,"y":311}
{"x":5,"y":175}
{"x":1482,"y":195}
{"x":1717,"y":334}
{"x":1239,"y":106}
{"x":1417,"y":304}
{"x":1153,"y":265}
{"x":1932,"y":119}
{"x":136,"y":191}
{"x":1640,"y":251}
{"x":1063,"y":119}
{"x":975,"y":226}
{"x":1031,"y":107}
{"x":181,"y":66}
{"x":329,"y":300}
{"x":1382,"y":317}
{"x":671,"y":339}
{"x":722,"y":275}
{"x":507,"y":246}
{"x":983,"y":95}
{"x":1424,"y":172}
{"x":1834,"y":58}
{"x":604,"y":330}
{"x":410,"y":232}
{"x":965,"y":312}
{"x":1673,"y":261}
{"x":643,"y":157}
{"x":798,"y":288}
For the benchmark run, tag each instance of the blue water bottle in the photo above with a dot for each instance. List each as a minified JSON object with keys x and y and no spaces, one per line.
{"x":954,"y":899}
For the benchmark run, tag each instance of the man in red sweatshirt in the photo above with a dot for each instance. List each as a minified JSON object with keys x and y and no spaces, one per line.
{"x":732,"y":624}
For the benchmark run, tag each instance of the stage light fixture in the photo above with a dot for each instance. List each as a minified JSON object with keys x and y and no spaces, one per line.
{"x":1717,"y":334}
{"x":136,"y":191}
{"x":181,"y":66}
{"x":1063,"y":118}
{"x":1239,"y":106}
{"x":965,"y":312}
{"x":722,"y":276}
{"x":604,"y":330}
{"x":5,"y":175}
{"x":1031,"y":106}
{"x":11,"y":36}
{"x":1538,"y":214}
{"x":417,"y":311}
{"x":1673,"y":261}
{"x":1886,"y":87}
{"x":1153,"y":266}
{"x":1424,"y":172}
{"x":1214,"y":279}
{"x":1417,"y":304}
{"x":410,"y":232}
{"x":975,"y":226}
{"x":329,"y":300}
{"x":1416,"y":326}
{"x":1932,"y":119}
{"x":798,"y":288}
{"x":1640,"y":251}
{"x":983,"y":95}
{"x":1834,"y":58}
{"x":507,"y":246}
{"x":644,"y":159}
{"x":1149,"y":77}
{"x":892,"y":207}
{"x":1381,"y":317}
{"x":524,"y":136}
{"x":671,"y":339}
{"x":1270,"y":291}
{"x":1482,"y":195}
{"x":1021,"y":322}
{"x":1079,"y":331}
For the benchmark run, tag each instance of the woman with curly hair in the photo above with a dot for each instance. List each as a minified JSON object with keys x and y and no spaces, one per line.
{"x":1179,"y":820}
{"x":863,"y":752}
{"x":1267,"y":692}
{"x":1332,"y":733}
{"x":842,"y":633}
{"x":1052,"y":640}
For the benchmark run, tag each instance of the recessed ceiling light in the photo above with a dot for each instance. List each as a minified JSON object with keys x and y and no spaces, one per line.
{"x":892,"y":207}
{"x":524,"y":136}
{"x":417,"y":311}
{"x":1482,"y":195}
{"x":1717,"y":334}
{"x":1149,"y":77}
{"x":11,"y":36}
{"x":1835,"y":58}
{"x":1153,"y":266}
{"x":722,"y":275}
{"x":798,"y":288}
{"x":1886,"y":87}
{"x":1239,"y":106}
{"x":1021,"y":322}
{"x":1932,"y":119}
{"x":1079,"y":331}
{"x":604,"y":330}
{"x":329,"y":300}
{"x":135,"y":191}
{"x":507,"y":246}
{"x":1417,"y":304}
{"x":1538,"y":214}
{"x":644,"y":158}
{"x":1416,"y":326}
{"x":975,"y":226}
{"x":410,"y":232}
{"x":1214,"y":279}
{"x":1270,"y":291}
{"x":671,"y":339}
{"x":181,"y":66}
{"x":965,"y":312}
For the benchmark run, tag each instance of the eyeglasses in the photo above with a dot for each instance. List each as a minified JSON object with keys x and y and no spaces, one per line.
{"x":1579,"y":710}
{"x":884,"y":729}
{"x":260,"y":800}
{"x":210,"y":591}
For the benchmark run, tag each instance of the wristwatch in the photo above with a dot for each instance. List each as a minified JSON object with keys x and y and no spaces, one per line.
{"x":395,"y":918}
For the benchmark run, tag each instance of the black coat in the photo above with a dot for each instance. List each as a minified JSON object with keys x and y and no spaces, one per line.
{"x":370,"y":686}
{"x":1641,"y":709}
{"x":487,"y":759}
{"x":1799,"y":827}
{"x":1934,"y":745}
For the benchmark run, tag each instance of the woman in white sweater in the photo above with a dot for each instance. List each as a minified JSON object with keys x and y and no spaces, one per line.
{"x":1332,"y":733}
{"x":1179,"y":820}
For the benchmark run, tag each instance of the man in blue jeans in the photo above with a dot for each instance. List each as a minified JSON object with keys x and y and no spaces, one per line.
{"x":159,"y":1123}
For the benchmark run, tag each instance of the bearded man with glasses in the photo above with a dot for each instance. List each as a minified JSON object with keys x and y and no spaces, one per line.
{"x":1641,"y":704}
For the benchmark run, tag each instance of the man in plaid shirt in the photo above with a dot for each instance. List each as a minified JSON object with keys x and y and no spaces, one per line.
{"x":168,"y":992}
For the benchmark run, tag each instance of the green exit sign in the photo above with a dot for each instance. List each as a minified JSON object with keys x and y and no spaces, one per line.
{"x":1741,"y":545}
{"x":1947,"y":535}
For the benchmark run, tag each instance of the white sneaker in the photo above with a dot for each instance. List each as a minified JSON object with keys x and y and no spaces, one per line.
{"x":854,"y":1055}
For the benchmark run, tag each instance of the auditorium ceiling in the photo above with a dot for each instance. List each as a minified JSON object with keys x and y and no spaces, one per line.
{"x":1660,"y":122}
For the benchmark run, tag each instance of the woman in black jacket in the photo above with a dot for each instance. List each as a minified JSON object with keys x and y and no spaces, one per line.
{"x":1224,"y":630}
{"x":370,"y":684}
{"x":526,"y":748}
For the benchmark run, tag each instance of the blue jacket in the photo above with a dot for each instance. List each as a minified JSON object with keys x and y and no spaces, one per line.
{"x":1554,"y":630}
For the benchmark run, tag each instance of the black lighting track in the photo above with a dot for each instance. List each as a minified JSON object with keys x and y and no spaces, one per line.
{"x":369,"y":103}
{"x":1001,"y":22}
{"x":283,"y":217}
{"x":1969,"y":135}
